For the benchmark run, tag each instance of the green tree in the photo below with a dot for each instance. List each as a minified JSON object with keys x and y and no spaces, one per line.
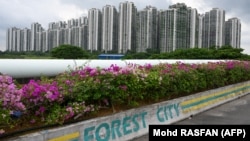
{"x":68,"y":52}
{"x":213,"y":52}
{"x":228,"y":52}
{"x":153,"y":51}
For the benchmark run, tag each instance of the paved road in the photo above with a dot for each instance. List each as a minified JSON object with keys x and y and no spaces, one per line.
{"x":234,"y":112}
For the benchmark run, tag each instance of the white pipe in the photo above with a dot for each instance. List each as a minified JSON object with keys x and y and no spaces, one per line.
{"x":26,"y":68}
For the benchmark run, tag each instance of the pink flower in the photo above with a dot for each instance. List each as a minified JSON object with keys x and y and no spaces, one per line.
{"x":48,"y":94}
{"x":148,"y":66}
{"x":2,"y":131}
{"x":9,"y":94}
{"x":230,"y":65}
{"x":68,"y":82}
{"x":88,"y":69}
{"x":124,"y":87}
{"x":87,"y":109}
{"x":20,"y":106}
{"x":103,"y":72}
{"x":93,"y":72}
{"x":32,"y":121}
{"x":114,"y":68}
{"x":115,"y":73}
{"x":69,"y":109}
{"x":71,"y":112}
{"x":42,"y":109}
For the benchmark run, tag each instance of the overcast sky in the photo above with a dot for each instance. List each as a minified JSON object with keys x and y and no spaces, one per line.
{"x":22,"y":13}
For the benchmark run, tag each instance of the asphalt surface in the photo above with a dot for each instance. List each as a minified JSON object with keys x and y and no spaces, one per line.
{"x":233,"y":112}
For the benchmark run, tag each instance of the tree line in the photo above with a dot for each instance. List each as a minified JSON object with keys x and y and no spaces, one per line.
{"x":224,"y":52}
{"x":74,"y":52}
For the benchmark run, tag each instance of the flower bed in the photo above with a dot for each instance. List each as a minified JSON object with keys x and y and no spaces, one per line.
{"x":81,"y":93}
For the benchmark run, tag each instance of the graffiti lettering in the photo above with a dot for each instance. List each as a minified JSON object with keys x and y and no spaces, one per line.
{"x":116,"y":129}
{"x":127,"y":125}
{"x":165,"y":113}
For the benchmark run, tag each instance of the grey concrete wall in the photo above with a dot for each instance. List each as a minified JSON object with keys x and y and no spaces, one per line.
{"x":134,"y":123}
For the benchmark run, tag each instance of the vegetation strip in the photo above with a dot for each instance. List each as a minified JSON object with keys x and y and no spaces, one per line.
{"x":83,"y":93}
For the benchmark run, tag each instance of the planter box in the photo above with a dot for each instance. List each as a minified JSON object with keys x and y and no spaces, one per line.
{"x":134,"y":123}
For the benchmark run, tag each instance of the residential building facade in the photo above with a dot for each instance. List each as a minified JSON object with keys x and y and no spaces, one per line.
{"x":127,"y":27}
{"x":109,"y":29}
{"x":94,"y":29}
{"x":129,"y":30}
{"x":213,"y":30}
{"x":147,"y":29}
{"x":233,"y":32}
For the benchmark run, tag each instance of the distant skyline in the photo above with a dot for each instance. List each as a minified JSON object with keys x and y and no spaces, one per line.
{"x":21,"y":13}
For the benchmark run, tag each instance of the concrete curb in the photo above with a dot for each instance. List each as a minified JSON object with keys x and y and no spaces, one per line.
{"x":134,"y":123}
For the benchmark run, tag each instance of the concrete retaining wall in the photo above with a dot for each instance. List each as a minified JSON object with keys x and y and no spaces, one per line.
{"x":134,"y":123}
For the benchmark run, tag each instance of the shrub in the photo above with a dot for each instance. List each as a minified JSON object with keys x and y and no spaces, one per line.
{"x":68,"y":52}
{"x":77,"y":93}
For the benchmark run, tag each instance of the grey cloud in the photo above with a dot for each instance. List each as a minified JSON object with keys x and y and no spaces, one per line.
{"x":21,"y":13}
{"x":140,"y":4}
{"x":239,"y":9}
{"x":236,"y":8}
